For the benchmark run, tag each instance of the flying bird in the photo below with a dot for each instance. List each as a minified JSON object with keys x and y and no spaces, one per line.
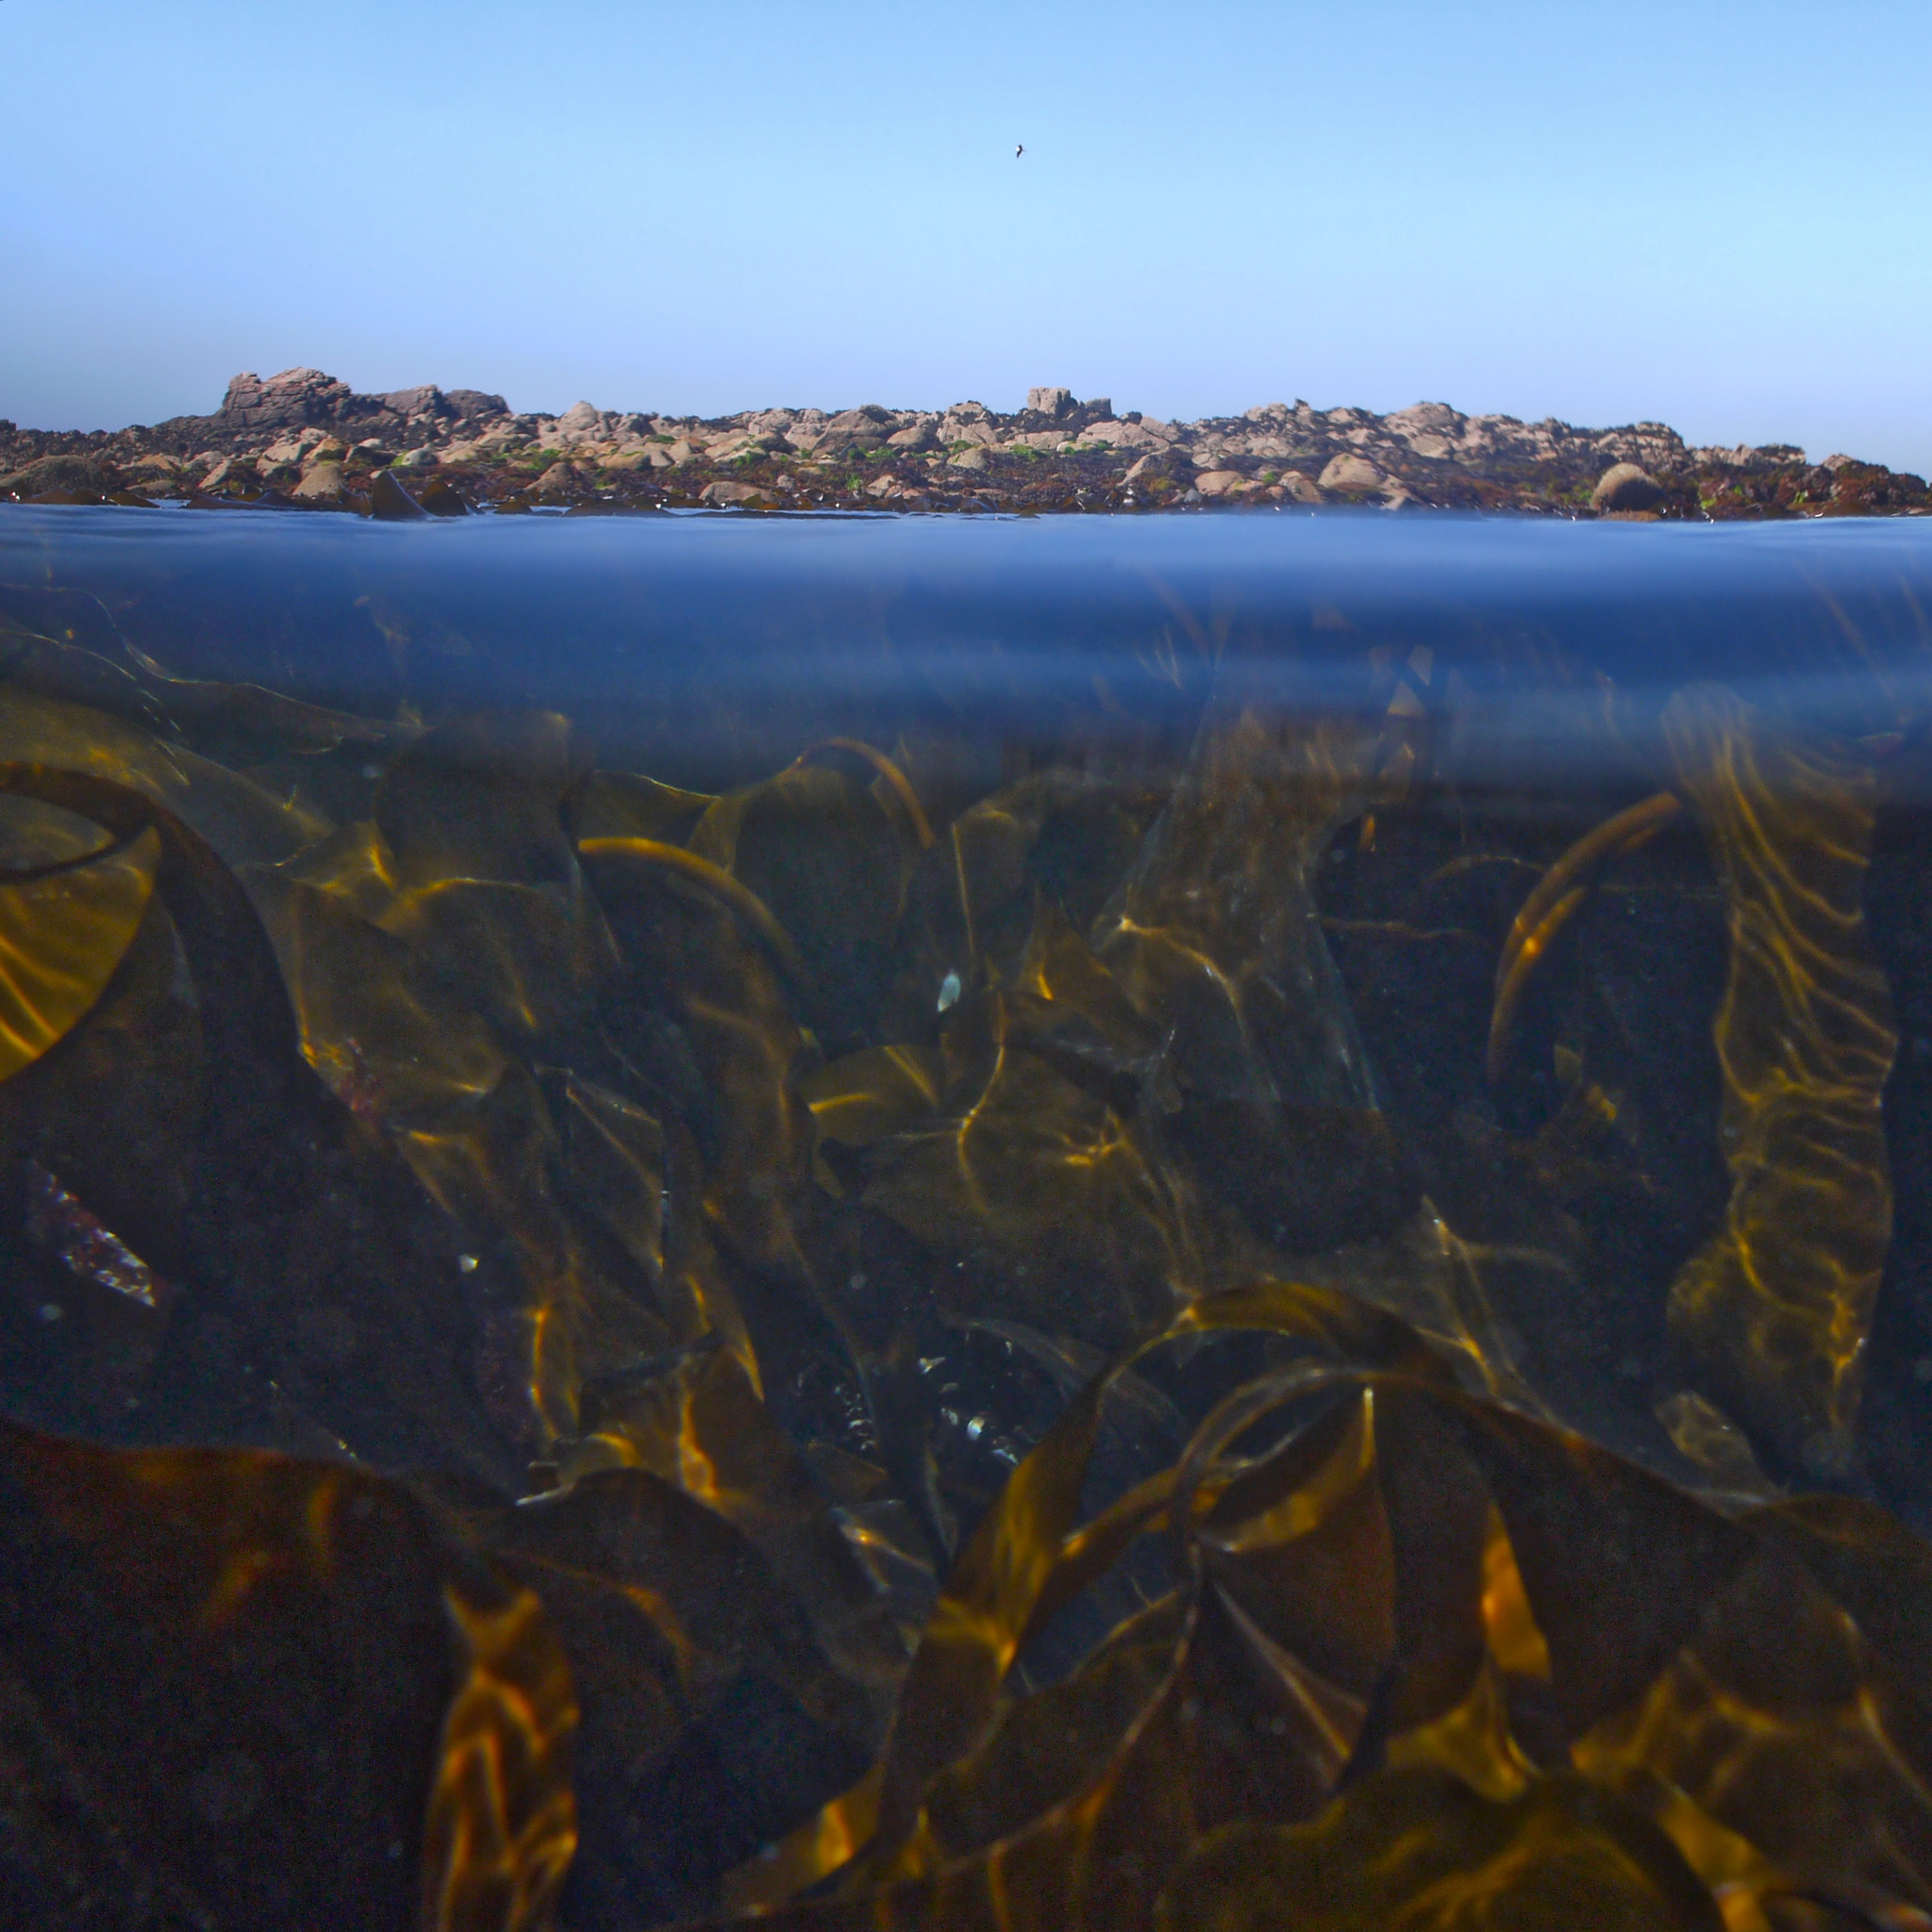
{"x":1020,"y":150}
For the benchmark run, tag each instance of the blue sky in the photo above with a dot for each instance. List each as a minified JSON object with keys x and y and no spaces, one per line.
{"x":1719,"y":215}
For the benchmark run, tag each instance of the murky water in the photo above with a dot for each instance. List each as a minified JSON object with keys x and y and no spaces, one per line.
{"x":965,"y":1221}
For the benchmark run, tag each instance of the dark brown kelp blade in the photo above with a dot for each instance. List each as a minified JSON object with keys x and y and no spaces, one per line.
{"x":273,"y":1693}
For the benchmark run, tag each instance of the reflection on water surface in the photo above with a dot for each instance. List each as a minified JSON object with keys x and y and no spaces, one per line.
{"x":956,"y":1225}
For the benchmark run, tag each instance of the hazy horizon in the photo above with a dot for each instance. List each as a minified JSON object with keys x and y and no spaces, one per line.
{"x":1719,"y":222}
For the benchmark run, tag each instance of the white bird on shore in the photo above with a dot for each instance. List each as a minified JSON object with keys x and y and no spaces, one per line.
{"x":1020,"y":150}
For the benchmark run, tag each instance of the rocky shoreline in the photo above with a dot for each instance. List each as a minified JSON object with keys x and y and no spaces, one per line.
{"x":304,"y":440}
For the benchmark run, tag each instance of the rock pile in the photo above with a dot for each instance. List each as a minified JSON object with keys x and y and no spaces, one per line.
{"x":303,"y":437}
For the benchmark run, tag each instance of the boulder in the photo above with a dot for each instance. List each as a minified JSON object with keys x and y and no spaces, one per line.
{"x":422,"y":457}
{"x":390,"y":503}
{"x":476,"y":401}
{"x":1626,"y":487}
{"x":974,"y":458}
{"x":747,"y":495}
{"x":917,"y":436}
{"x":579,"y":420}
{"x":285,"y":400}
{"x":1298,"y":487}
{"x":866,"y":427}
{"x":559,"y":479}
{"x":1054,"y":402}
{"x":1351,"y":475}
{"x":79,"y":475}
{"x":321,"y":483}
{"x":1218,"y":482}
{"x":426,"y":399}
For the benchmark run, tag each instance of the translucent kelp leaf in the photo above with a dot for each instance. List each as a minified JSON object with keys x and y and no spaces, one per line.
{"x":61,"y":668}
{"x":702,"y":1427}
{"x":628,"y":805}
{"x":355,"y":864}
{"x":1618,"y":1565}
{"x":1772,"y":1722}
{"x":1214,"y":938}
{"x":502,"y":1828}
{"x":1554,"y":902}
{"x":711,"y":1009}
{"x":528,"y":957}
{"x":63,"y":930}
{"x":239,"y":819}
{"x":1413,"y":1850}
{"x":826,"y":858}
{"x":281,"y":1691}
{"x":1778,"y":1304}
{"x":34,"y":835}
{"x":711,"y":1716}
{"x":489,"y":887}
{"x":988,"y":1602}
{"x":102,"y":1139}
{"x":1072,"y":1226}
{"x":1062,"y":836}
{"x":872,"y":1095}
{"x":481,"y":797}
{"x":393,"y":1039}
{"x":1879,"y":1572}
{"x":241,"y":711}
{"x":617,"y":1162}
{"x":378,"y":1025}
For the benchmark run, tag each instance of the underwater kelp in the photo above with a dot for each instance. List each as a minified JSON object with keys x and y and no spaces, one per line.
{"x":1228,"y":1339}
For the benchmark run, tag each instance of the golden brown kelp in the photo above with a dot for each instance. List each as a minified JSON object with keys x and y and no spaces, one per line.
{"x":1423,"y":1665}
{"x":1777,"y":1308}
{"x":711,"y":1718}
{"x":299,"y":1289}
{"x":1214,"y":938}
{"x":64,"y":930}
{"x":246,"y":1690}
{"x":1558,"y":894}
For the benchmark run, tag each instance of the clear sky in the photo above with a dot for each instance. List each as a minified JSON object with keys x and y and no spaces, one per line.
{"x":1717,"y":215}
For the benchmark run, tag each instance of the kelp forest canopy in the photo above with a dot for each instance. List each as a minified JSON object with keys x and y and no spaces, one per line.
{"x":1225,"y":1320}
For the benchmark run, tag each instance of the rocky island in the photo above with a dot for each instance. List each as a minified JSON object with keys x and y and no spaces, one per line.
{"x":305,"y":439}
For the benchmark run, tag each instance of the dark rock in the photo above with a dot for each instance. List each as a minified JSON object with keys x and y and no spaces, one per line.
{"x":290,"y":400}
{"x":390,"y":503}
{"x":1625,"y":486}
{"x":469,"y":403}
{"x":442,"y":498}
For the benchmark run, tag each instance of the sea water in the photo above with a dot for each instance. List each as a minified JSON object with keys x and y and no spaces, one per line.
{"x":1062,"y":1219}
